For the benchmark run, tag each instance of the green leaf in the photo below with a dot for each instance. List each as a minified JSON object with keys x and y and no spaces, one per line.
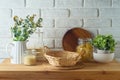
{"x":104,"y":42}
{"x":23,"y":28}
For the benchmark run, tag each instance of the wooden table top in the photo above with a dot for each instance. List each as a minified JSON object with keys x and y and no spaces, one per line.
{"x":44,"y":71}
{"x":43,"y":66}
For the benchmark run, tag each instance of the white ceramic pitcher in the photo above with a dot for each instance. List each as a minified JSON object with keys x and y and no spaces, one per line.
{"x":17,"y":52}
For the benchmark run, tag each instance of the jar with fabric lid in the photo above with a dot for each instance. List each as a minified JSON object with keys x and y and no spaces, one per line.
{"x":85,"y":49}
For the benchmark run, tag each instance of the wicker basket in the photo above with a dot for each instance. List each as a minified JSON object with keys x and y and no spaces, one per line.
{"x":62,"y":58}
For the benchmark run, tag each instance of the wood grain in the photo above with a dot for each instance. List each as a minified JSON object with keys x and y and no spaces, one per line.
{"x":44,"y":71}
{"x":70,"y":39}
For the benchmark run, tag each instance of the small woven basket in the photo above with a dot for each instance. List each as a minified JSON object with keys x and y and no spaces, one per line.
{"x":62,"y":58}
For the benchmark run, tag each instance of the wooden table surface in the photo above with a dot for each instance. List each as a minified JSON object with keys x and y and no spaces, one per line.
{"x":44,"y":71}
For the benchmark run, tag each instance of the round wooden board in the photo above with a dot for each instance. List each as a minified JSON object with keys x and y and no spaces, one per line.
{"x":70,"y":39}
{"x":77,"y":66}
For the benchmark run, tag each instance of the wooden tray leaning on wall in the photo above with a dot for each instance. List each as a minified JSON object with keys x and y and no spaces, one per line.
{"x":70,"y":39}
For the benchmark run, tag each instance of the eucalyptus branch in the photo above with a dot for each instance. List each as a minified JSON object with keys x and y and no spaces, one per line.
{"x":23,"y":28}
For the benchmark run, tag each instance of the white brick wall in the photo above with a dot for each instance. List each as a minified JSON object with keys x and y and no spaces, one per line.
{"x":94,"y":31}
{"x":59,"y":32}
{"x":58,"y":43}
{"x":84,"y":13}
{"x":54,"y":13}
{"x":115,"y":22}
{"x":116,"y":3}
{"x":12,"y":4}
{"x":110,"y":12}
{"x":24,"y":12}
{"x":98,"y":3}
{"x":39,"y":3}
{"x":5,"y":32}
{"x":49,"y":33}
{"x":97,"y":23}
{"x":48,"y":23}
{"x":5,"y":13}
{"x":66,"y":23}
{"x":97,"y":16}
{"x":49,"y":42}
{"x":68,"y":3}
{"x":114,"y":31}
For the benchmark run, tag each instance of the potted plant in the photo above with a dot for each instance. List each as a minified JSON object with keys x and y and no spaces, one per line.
{"x":105,"y":45}
{"x":21,"y":31}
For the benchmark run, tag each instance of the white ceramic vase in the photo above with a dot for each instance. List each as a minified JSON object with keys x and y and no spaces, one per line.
{"x":17,"y":52}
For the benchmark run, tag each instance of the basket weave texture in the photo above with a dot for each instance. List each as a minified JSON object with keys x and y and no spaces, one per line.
{"x":62,"y":58}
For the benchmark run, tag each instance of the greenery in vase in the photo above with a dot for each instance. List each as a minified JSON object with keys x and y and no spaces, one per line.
{"x":104,"y":42}
{"x":23,"y":28}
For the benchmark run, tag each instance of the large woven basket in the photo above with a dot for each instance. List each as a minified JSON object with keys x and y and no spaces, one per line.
{"x":62,"y":58}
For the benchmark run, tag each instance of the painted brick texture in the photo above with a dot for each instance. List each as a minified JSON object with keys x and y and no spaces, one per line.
{"x":68,"y":3}
{"x":98,"y":3}
{"x":97,"y":16}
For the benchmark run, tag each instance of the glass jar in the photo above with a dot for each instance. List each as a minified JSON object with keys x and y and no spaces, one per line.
{"x":85,"y":49}
{"x":37,"y":44}
{"x":29,"y":58}
{"x":40,"y":46}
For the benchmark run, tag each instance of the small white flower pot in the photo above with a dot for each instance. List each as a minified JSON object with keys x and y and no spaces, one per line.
{"x":103,"y":58}
{"x":103,"y":51}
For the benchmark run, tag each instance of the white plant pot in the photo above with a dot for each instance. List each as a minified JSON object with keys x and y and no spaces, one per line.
{"x":103,"y":58}
{"x":102,"y":51}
